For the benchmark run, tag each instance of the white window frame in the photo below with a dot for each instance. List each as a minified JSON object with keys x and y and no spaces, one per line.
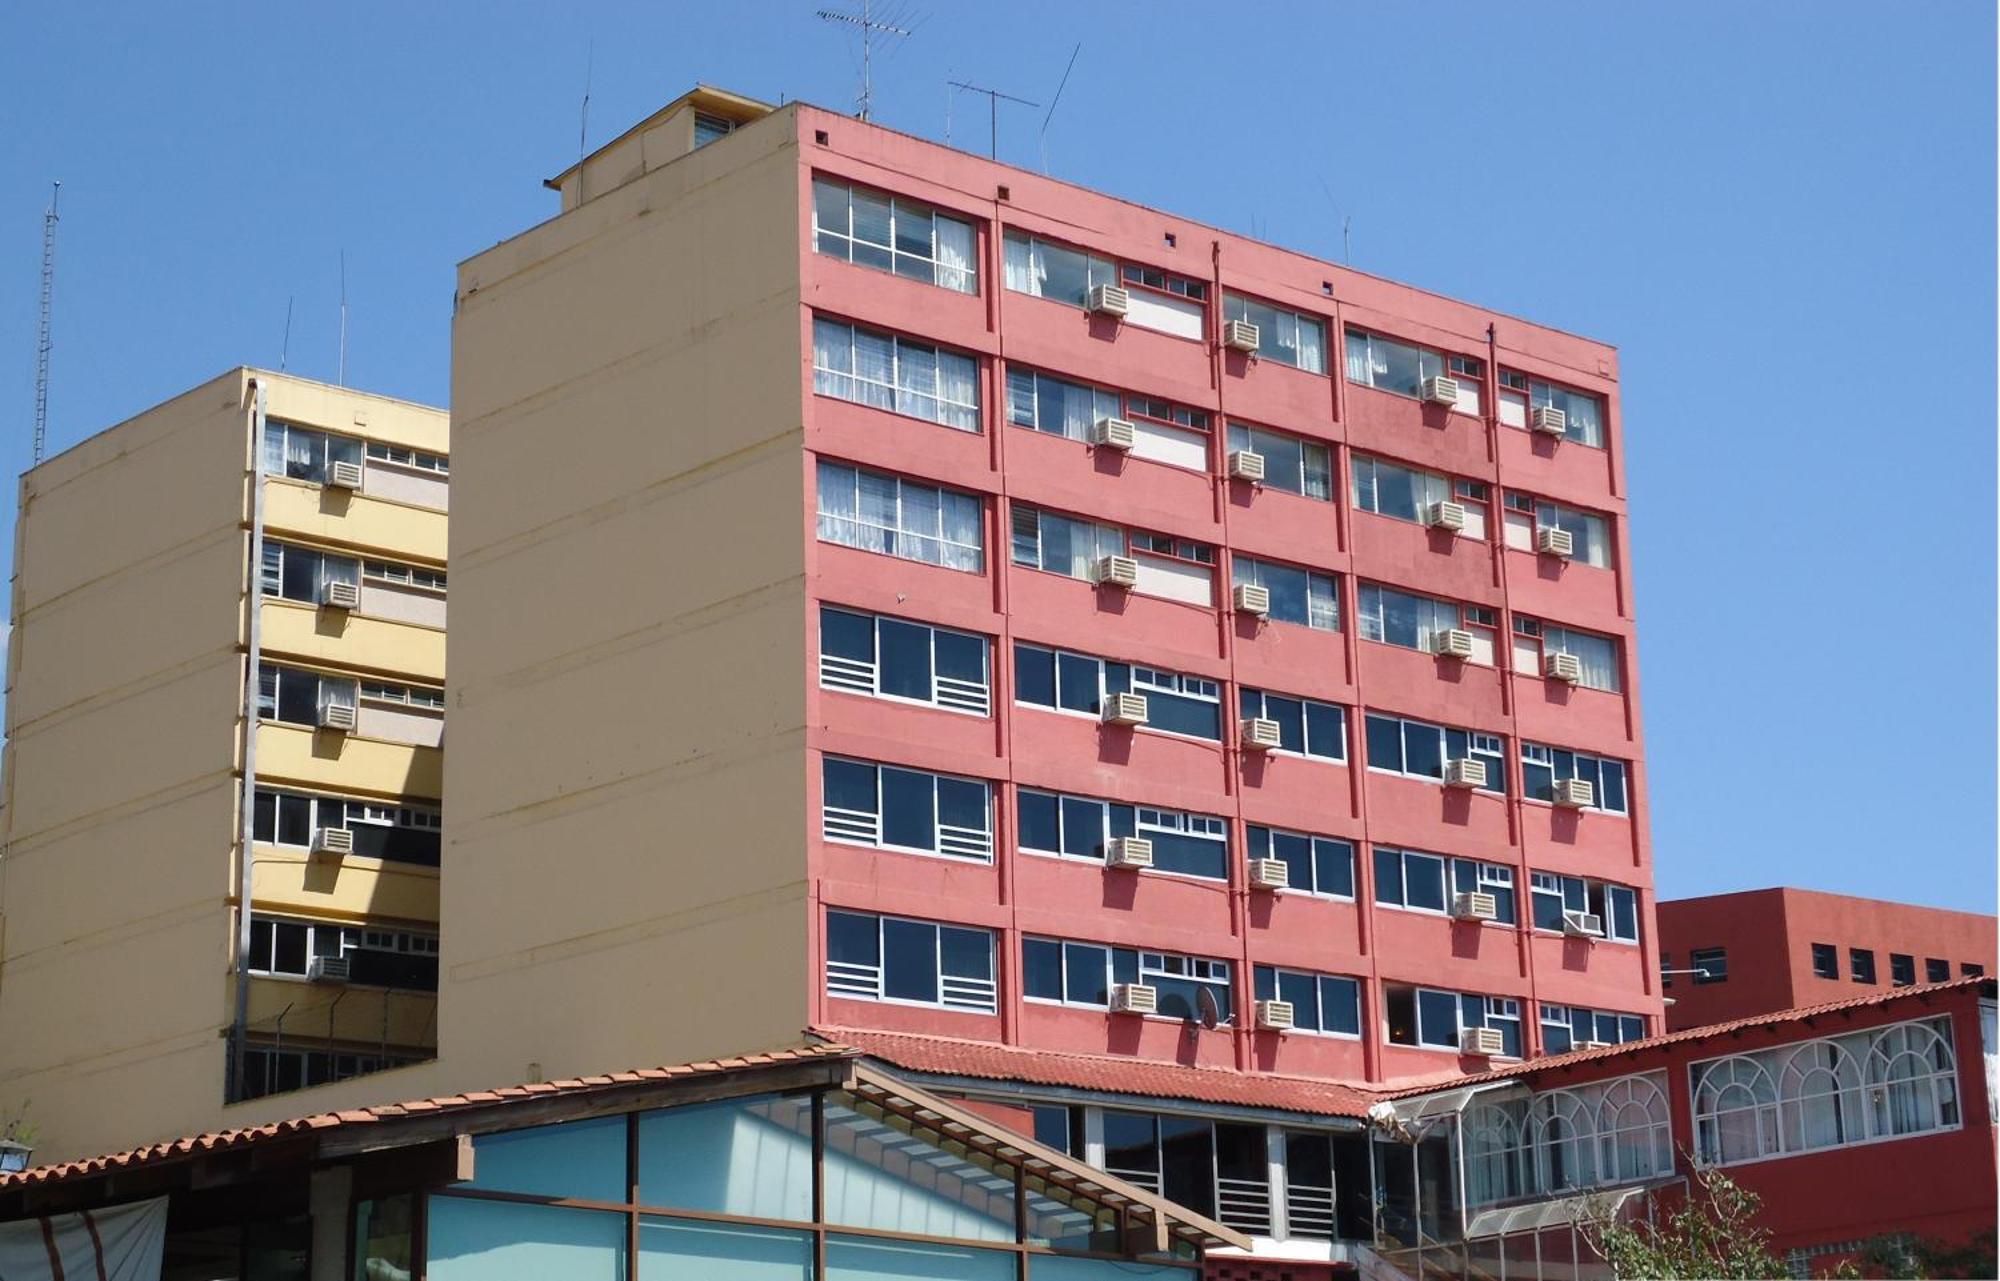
{"x":901,"y":400}
{"x":1544,"y":638}
{"x":977,"y":996}
{"x":1259,"y":440}
{"x":948,"y":693}
{"x":1478,"y":743}
{"x":834,"y":521}
{"x":1365,"y":491}
{"x":1264,"y":696}
{"x":1434,"y":615}
{"x":955,"y":279}
{"x":1319,"y":1000}
{"x":1468,"y":371}
{"x":1312,"y":859}
{"x":1279,"y":323}
{"x":1544,"y":755}
{"x":1527,"y":515}
{"x":1322,"y":590}
{"x":841,"y":826}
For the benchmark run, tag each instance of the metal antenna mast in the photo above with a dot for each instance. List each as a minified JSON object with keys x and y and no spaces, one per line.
{"x":42,"y":341}
{"x":1053,"y":104}
{"x":993,"y":97}
{"x":868,"y":27}
{"x":343,"y":319}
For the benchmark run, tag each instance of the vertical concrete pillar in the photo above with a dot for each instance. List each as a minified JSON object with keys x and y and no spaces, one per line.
{"x":332,"y":1190}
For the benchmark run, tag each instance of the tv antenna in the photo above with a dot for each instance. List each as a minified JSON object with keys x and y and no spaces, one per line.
{"x":342,"y":379}
{"x":285,"y":350}
{"x":867,"y":23}
{"x":993,"y":100}
{"x":1055,"y":102}
{"x":42,"y":338}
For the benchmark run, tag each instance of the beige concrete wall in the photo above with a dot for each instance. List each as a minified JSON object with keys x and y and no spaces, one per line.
{"x":626,"y":690}
{"x":125,"y":686}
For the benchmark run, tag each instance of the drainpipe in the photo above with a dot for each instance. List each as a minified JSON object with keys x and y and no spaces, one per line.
{"x":246,"y":863}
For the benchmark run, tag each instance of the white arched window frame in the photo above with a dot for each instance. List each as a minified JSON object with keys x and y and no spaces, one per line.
{"x":1821,"y":1102}
{"x":1735,"y":1111}
{"x":1498,"y":1161}
{"x":1912,"y":1081}
{"x":1563,"y":1127}
{"x":1632,"y":1125}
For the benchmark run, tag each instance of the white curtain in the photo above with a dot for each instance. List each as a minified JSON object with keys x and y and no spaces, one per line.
{"x":954,"y":255}
{"x":1025,"y":269}
{"x":958,"y":388}
{"x":117,"y":1243}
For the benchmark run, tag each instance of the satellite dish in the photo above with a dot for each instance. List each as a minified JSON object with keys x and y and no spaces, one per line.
{"x":1210,"y":1012}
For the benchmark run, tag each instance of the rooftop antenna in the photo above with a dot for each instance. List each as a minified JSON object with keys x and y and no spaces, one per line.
{"x":583,"y":116}
{"x":285,"y":351}
{"x":1346,"y":225}
{"x":42,"y":339}
{"x":993,"y":97}
{"x":868,"y":26}
{"x":342,"y":380}
{"x":1054,"y":102}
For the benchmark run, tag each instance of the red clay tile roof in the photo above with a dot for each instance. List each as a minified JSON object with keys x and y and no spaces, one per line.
{"x":988,"y":1061}
{"x":223,"y":1140}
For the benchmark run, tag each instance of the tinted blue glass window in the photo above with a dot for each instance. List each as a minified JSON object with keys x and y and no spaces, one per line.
{"x":908,"y":814}
{"x":1190,"y":855}
{"x":1385,"y":742}
{"x":852,"y":939}
{"x":850,"y":786}
{"x":1179,"y":715}
{"x":1333,"y":867}
{"x":1437,"y":1018}
{"x":962,"y":803}
{"x":1613,"y":797}
{"x":906,"y":660}
{"x":1388,"y":876}
{"x":1624,"y":914}
{"x":1422,"y":751}
{"x":1556,"y":1038}
{"x":1035,"y":675}
{"x":1124,"y":965}
{"x":581,"y":1159}
{"x":1424,"y":882}
{"x":1083,"y":827}
{"x":1083,"y":971}
{"x":909,"y":961}
{"x":1290,"y":714}
{"x":1077,"y":679}
{"x":965,"y":954}
{"x":846,"y":635}
{"x":1040,"y":827}
{"x":1042,"y":968}
{"x":1631,"y":1027}
{"x":1340,"y":1005}
{"x":723,"y":1251}
{"x":1303,"y":993}
{"x":475,"y":1240}
{"x":1326,"y":730}
{"x":961,"y":657}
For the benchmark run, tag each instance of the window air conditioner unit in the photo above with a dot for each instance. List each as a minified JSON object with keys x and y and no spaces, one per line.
{"x":1470,"y":772}
{"x":1574,"y":793}
{"x":337,"y":716}
{"x":1252,"y":599}
{"x":1240,"y":335}
{"x":1134,"y":998}
{"x":1260,"y":734}
{"x":340,"y":595}
{"x":1113,"y":433}
{"x":1552,"y":541}
{"x":1125,"y":709}
{"x":333,"y":840}
{"x":1475,"y":905}
{"x":1567,"y":668}
{"x":1439,"y":390}
{"x":343,"y":476}
{"x":1118,"y":571}
{"x":1484,"y":1042}
{"x":1452,"y":642}
{"x":1549,"y":420}
{"x":1269,"y":874}
{"x":1274,"y":1016}
{"x":1446,"y":515}
{"x":1246,"y":464}
{"x":1583,"y":925}
{"x":1109,"y":300}
{"x":1129,"y":851}
{"x":327,"y":969}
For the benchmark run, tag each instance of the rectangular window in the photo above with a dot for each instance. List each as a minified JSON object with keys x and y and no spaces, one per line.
{"x":301,"y":453}
{"x":302,"y":574}
{"x":1571,"y":1027}
{"x":1902,"y":970}
{"x":896,"y":374}
{"x":885,"y":657}
{"x":1083,"y":827}
{"x":1710,"y":964}
{"x":1936,"y":971}
{"x":1291,"y":463}
{"x":1967,"y":969}
{"x":1172,"y":568}
{"x":375,"y":957}
{"x":1542,"y":765}
{"x":1583,"y":414}
{"x":1300,"y":596}
{"x":1825,"y":961}
{"x":401,"y":575}
{"x":877,"y":512}
{"x":1589,"y":533}
{"x":1616,"y":907}
{"x":1315,"y":864}
{"x":1403,"y":368}
{"x":889,"y":808}
{"x":1422,"y":882}
{"x":397,"y":833}
{"x":1176,"y":703}
{"x":708,"y":128}
{"x":1165,"y":302}
{"x":1434,"y":1019}
{"x":379,"y":452}
{"x":1404,"y":493}
{"x":1535,"y":640}
{"x":1072,"y":973}
{"x":1322,"y":1004}
{"x":429,"y":697}
{"x":1409,"y":621}
{"x":1419,"y":749}
{"x":889,"y":233}
{"x":1861,"y":964}
{"x":1284,"y":336}
{"x":906,"y":962}
{"x":1304,"y":726}
{"x":297,"y":697}
{"x":1162,"y":431}
{"x":1049,"y":270}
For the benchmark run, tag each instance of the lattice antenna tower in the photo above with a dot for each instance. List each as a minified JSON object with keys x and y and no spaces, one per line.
{"x":43,"y":340}
{"x":895,"y":27}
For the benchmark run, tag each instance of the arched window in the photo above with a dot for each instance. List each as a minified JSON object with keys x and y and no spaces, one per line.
{"x":1819,"y":1097}
{"x":1497,"y":1163}
{"x":1912,"y":1081}
{"x":1634,"y":1141}
{"x":1564,"y":1129}
{"x":1735,"y":1111}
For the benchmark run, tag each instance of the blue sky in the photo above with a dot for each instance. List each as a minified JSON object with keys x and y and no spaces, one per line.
{"x":1782,"y":214}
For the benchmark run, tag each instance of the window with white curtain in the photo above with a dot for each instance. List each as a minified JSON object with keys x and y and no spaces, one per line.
{"x":1287,"y":337}
{"x":1410,"y":621}
{"x":1405,"y":493}
{"x":1858,"y":1087}
{"x":296,"y":696}
{"x":1388,"y":365}
{"x":896,"y":374}
{"x":1057,"y":406}
{"x":301,"y":453}
{"x":1535,"y":640}
{"x":893,"y":234}
{"x":299,"y":573}
{"x":1302,"y":596}
{"x":1061,"y":544}
{"x":1049,"y":270}
{"x":1583,"y":414}
{"x":1291,"y":463}
{"x":1589,"y":534}
{"x":877,"y":512}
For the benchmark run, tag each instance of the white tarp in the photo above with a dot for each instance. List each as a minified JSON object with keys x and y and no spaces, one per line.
{"x":113,"y":1243}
